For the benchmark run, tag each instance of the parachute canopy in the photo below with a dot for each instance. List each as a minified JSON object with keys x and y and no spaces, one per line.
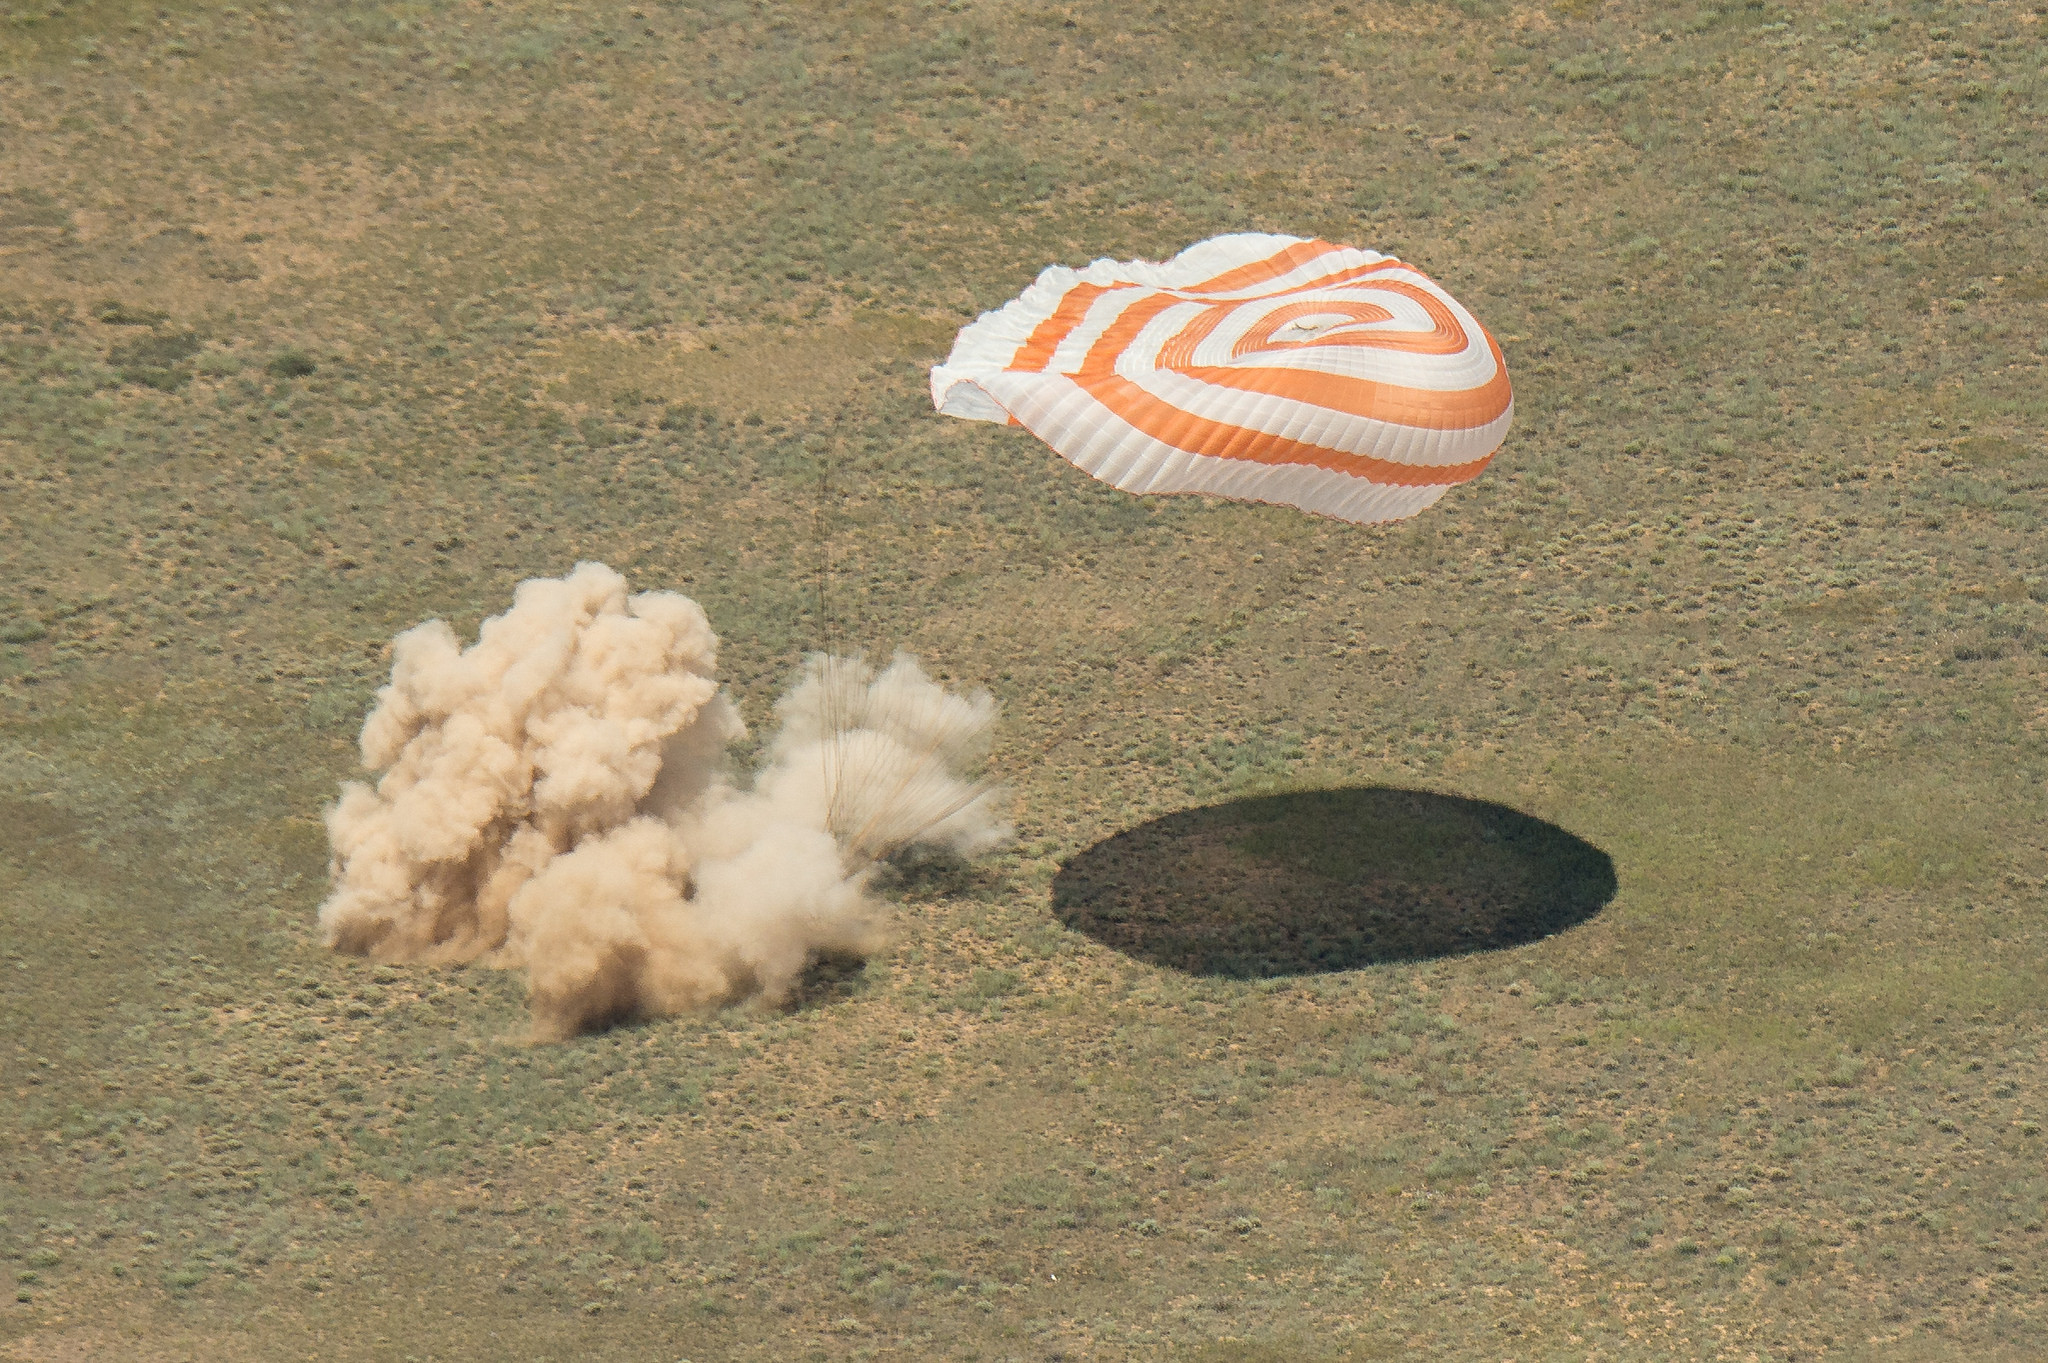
{"x":1263,"y":368}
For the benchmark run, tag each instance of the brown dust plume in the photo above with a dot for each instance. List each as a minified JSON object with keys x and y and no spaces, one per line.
{"x":559,"y":798}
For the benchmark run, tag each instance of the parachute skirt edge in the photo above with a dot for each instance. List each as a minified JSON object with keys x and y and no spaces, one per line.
{"x":1107,"y":449}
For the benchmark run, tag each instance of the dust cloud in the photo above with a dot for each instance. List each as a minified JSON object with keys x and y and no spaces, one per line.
{"x":560,"y":798}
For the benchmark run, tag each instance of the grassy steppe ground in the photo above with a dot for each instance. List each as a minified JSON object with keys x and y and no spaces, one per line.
{"x":315,"y":322}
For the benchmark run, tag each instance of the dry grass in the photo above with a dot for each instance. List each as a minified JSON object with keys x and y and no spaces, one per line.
{"x":313,"y":324}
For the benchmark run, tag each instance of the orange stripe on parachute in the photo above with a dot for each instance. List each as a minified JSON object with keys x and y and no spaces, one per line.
{"x":1445,"y":337}
{"x":1423,"y":408}
{"x":1037,"y":351}
{"x":1170,"y":425}
{"x":1272,"y":267}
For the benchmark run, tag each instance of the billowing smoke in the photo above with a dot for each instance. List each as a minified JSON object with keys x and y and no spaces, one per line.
{"x":559,"y":798}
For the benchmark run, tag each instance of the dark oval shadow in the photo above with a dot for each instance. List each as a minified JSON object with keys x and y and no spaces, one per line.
{"x":1313,"y":881}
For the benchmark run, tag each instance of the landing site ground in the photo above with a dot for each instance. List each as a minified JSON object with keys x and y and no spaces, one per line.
{"x":319,"y":321}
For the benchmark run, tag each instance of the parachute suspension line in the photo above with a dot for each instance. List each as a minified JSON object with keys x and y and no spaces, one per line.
{"x":1281,"y":567}
{"x":833,"y":721}
{"x":892,"y":822}
{"x":871,"y":844}
{"x":821,"y":531}
{"x":875,"y":805}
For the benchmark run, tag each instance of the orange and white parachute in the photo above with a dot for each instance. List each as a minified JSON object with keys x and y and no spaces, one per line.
{"x":1263,"y":368}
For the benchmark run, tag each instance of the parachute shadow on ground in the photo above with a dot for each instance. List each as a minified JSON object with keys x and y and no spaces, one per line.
{"x":1314,"y":881}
